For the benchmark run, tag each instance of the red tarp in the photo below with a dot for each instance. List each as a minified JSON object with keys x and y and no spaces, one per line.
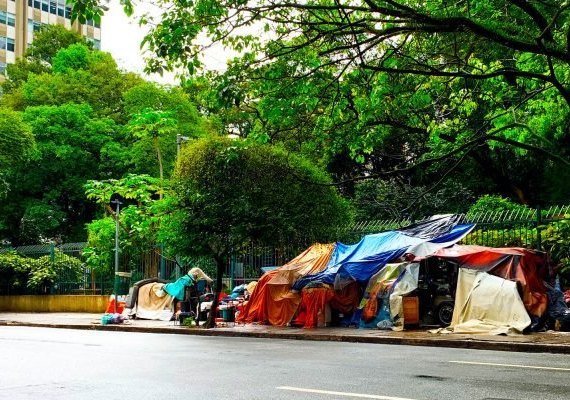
{"x":313,"y":303}
{"x":529,"y":268}
{"x":272,"y":300}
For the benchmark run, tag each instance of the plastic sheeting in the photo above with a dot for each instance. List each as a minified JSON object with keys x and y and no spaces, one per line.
{"x":177,"y":289}
{"x":272,"y":301}
{"x":407,"y":282}
{"x":360,"y":261}
{"x":529,"y":268}
{"x":487,"y":304}
{"x":313,"y":304}
{"x":376,"y":295}
{"x":153,"y":302}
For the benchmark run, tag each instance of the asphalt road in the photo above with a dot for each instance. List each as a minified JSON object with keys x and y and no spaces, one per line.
{"x":43,"y":363}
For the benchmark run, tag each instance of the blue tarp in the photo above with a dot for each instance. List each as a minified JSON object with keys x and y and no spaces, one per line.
{"x":358,"y":262}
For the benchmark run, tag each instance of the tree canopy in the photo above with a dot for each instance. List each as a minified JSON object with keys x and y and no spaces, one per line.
{"x":230,"y":192}
{"x":76,"y":109}
{"x":390,"y":88}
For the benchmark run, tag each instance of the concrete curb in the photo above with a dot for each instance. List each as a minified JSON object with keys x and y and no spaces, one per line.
{"x":436,"y":342}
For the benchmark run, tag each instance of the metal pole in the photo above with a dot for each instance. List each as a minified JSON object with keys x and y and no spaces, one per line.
{"x":116,"y":285}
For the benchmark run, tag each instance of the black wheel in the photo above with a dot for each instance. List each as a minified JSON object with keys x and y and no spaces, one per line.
{"x":444,"y":312}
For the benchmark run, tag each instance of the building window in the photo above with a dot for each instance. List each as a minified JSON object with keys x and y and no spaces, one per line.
{"x":68,"y":12}
{"x":61,"y":8}
{"x":90,"y":22}
{"x":45,"y":5}
{"x":96,"y":43}
{"x":7,"y":18}
{"x":6,"y":43}
{"x":2,"y":68}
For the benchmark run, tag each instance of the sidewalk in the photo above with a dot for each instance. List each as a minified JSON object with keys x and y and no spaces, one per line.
{"x":549,"y":342}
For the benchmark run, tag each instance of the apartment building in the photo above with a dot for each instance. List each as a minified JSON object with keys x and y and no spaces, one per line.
{"x":19,"y":19}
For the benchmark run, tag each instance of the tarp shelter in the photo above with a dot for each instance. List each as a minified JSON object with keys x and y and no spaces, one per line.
{"x":344,"y":268}
{"x":360,"y":261}
{"x":488,"y":304}
{"x":272,"y":300}
{"x":528,"y":268}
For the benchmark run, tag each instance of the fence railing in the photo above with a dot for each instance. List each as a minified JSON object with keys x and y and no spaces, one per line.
{"x":531,"y":228}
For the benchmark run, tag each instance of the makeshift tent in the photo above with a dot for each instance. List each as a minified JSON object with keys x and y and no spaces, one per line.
{"x":272,"y":300}
{"x":359,"y":262}
{"x":487,"y":304}
{"x":153,"y":300}
{"x":527,"y":267}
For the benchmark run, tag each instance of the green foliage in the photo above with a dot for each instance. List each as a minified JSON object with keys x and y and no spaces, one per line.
{"x":16,"y":144}
{"x":38,"y":56}
{"x":139,"y":221}
{"x":189,"y":322}
{"x":231,"y":191}
{"x":493,"y":203}
{"x":38,"y":273}
{"x":74,"y":57}
{"x":50,"y":40}
{"x":556,"y":240}
{"x":100,"y":244}
{"x":389,"y":199}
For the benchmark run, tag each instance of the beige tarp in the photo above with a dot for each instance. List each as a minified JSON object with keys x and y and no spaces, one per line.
{"x":153,"y":302}
{"x":487,"y":304}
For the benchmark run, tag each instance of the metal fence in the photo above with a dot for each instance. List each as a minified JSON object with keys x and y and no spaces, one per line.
{"x":547,"y":230}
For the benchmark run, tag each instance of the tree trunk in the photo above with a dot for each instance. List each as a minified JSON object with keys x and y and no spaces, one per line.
{"x":220,"y":267}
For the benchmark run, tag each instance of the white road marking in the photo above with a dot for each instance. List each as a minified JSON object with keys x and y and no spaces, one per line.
{"x":510,"y":365}
{"x":346,"y":394}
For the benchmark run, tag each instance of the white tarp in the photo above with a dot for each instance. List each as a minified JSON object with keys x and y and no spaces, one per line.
{"x":407,"y":283}
{"x":487,"y":304}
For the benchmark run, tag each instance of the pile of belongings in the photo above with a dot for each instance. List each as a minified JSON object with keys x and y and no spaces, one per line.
{"x":153,"y":298}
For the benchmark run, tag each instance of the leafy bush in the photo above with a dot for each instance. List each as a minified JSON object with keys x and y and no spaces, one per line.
{"x":38,"y":273}
{"x":556,"y":240}
{"x":492,"y":203}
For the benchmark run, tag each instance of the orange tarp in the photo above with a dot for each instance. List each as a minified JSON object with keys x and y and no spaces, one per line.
{"x":272,"y":300}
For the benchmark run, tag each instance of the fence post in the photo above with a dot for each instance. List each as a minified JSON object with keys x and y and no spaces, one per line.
{"x":232,"y":269}
{"x":52,"y":260}
{"x":162,"y":263}
{"x":538,"y":228}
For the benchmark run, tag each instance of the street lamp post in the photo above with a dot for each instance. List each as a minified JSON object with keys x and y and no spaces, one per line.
{"x":117,"y":203}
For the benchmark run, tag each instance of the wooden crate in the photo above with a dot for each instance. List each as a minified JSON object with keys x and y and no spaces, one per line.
{"x":411,"y":305}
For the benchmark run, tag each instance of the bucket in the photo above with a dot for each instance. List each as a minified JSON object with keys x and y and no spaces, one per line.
{"x":228,"y":314}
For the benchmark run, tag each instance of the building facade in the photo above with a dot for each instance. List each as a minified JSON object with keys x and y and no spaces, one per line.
{"x":20,"y":19}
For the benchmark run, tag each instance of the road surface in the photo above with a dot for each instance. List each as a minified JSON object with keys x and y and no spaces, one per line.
{"x":43,"y":363}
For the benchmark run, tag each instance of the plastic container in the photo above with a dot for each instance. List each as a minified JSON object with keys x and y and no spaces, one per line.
{"x":228,"y":314}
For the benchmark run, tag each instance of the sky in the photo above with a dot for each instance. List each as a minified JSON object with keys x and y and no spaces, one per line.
{"x":121,"y":36}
